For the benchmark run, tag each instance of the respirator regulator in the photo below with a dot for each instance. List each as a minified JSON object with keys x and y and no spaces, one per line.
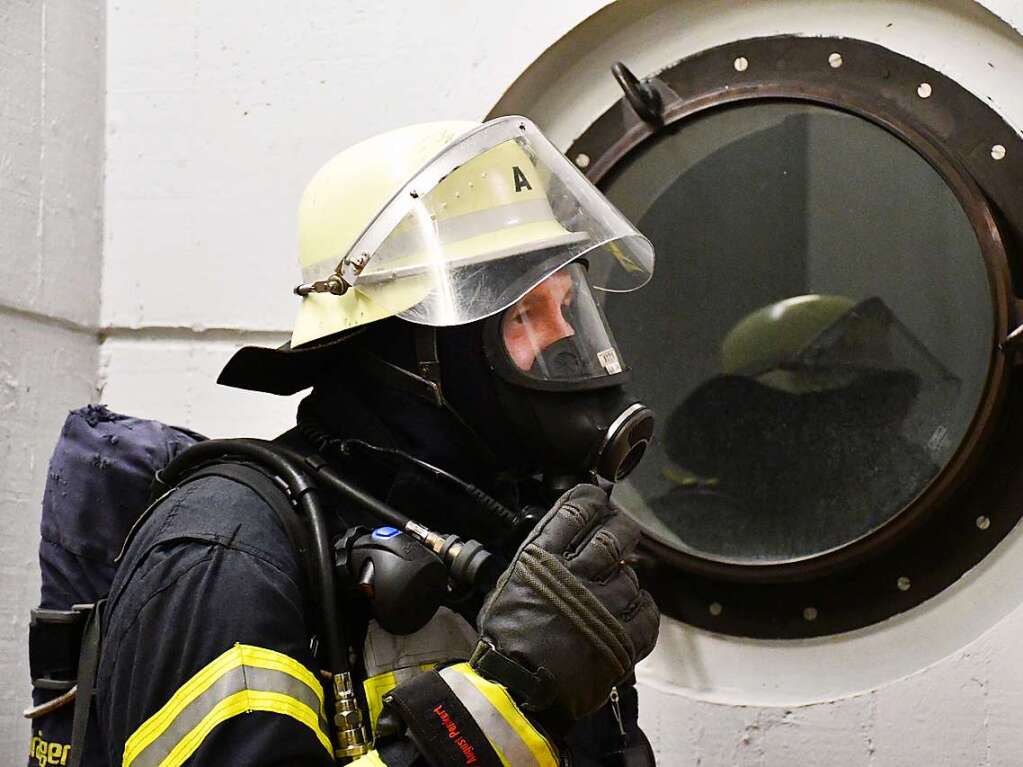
{"x":560,"y":378}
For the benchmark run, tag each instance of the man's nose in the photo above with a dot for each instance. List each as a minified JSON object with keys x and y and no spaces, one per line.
{"x":555,"y":327}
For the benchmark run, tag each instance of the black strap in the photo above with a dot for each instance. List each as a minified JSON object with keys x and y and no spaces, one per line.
{"x":534,"y":690}
{"x":428,"y":357}
{"x":442,"y":728}
{"x":54,"y":643}
{"x":88,"y":661}
{"x":394,"y":377}
{"x":276,"y":497}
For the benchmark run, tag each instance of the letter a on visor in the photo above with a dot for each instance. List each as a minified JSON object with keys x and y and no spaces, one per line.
{"x":481,"y":224}
{"x":555,"y":336}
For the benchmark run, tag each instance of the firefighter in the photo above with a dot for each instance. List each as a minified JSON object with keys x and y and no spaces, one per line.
{"x":453,"y":276}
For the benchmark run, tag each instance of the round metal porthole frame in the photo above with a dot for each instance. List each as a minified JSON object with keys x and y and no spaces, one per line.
{"x":978,"y":497}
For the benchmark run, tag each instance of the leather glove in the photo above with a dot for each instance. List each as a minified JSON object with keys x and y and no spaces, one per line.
{"x":567,"y":620}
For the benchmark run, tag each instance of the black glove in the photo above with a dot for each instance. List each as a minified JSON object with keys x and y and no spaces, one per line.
{"x":567,"y":621}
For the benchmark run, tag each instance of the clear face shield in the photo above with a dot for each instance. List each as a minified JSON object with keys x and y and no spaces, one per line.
{"x":484,"y":222}
{"x":556,"y":335}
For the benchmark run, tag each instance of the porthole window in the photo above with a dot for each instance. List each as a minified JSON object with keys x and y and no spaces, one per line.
{"x":818,"y":337}
{"x":832,"y":334}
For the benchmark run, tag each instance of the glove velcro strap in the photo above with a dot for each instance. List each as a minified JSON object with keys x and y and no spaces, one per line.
{"x":534,"y":689}
{"x":459,"y":718}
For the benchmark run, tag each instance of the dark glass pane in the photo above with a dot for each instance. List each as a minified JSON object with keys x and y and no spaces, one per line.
{"x":816,"y":337}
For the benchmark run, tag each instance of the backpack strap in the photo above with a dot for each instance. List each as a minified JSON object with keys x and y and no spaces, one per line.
{"x":274,"y":495}
{"x":88,"y":661}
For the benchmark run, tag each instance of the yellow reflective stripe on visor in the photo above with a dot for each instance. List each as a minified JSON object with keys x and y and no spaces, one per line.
{"x":243,"y":679}
{"x":514,"y":738}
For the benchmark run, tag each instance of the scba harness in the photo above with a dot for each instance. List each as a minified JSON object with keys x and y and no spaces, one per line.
{"x":107,"y":466}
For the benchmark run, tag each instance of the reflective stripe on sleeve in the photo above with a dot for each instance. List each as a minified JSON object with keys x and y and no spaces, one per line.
{"x":243,"y":679}
{"x":515,"y":739}
{"x":376,"y":687}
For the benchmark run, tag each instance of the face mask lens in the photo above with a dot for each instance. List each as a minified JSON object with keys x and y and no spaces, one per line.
{"x":556,"y":331}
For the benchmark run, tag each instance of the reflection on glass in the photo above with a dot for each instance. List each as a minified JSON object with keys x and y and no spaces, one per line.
{"x":816,"y":339}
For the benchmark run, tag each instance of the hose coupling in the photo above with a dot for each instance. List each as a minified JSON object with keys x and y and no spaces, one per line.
{"x":352,"y":740}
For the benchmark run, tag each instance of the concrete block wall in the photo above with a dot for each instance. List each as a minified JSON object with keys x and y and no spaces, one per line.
{"x":51,"y":180}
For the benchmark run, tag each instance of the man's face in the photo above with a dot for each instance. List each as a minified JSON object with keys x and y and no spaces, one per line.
{"x":536,"y":321}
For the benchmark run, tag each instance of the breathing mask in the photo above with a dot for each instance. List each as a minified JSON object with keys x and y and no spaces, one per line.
{"x":559,"y":377}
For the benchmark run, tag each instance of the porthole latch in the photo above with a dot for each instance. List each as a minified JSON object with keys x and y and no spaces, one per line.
{"x":643,"y":96}
{"x":1013,"y":342}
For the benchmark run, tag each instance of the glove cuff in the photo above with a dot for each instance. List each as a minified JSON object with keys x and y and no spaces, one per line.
{"x":456,"y":717}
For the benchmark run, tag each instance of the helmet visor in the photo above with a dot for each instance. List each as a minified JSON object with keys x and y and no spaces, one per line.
{"x":557,"y":334}
{"x":481,"y":224}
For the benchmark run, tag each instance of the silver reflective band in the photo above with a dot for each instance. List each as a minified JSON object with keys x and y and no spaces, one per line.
{"x":454,"y":230}
{"x":241,"y":680}
{"x":499,"y":732}
{"x":234,"y":681}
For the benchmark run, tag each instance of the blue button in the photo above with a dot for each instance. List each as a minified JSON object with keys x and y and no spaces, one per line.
{"x":385,"y":532}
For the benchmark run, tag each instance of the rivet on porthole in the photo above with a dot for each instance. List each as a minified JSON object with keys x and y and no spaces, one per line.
{"x":983,"y":522}
{"x":810,"y":614}
{"x":924,"y":90}
{"x":904,"y":583}
{"x":741,"y":64}
{"x":582,"y":160}
{"x":997,"y":152}
{"x":715,"y":609}
{"x":835,"y":60}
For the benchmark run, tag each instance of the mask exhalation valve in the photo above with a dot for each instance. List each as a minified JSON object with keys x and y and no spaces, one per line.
{"x":626,"y":441}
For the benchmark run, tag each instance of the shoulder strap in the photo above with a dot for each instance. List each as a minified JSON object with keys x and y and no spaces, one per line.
{"x":273,"y":495}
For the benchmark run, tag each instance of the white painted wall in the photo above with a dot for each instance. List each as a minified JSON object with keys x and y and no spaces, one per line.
{"x":51,"y":171}
{"x":216,"y":115}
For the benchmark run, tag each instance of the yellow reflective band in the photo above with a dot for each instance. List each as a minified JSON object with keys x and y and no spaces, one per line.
{"x":541,"y":749}
{"x":254,"y":678}
{"x":376,"y":687}
{"x":372,"y":759}
{"x":242,"y":703}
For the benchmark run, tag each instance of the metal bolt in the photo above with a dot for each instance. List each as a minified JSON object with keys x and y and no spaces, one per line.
{"x":810,"y":613}
{"x":983,"y":522}
{"x":904,"y":583}
{"x":997,"y":152}
{"x":716,"y":609}
{"x":924,"y":90}
{"x":835,"y":60}
{"x":582,"y":160}
{"x":741,"y":64}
